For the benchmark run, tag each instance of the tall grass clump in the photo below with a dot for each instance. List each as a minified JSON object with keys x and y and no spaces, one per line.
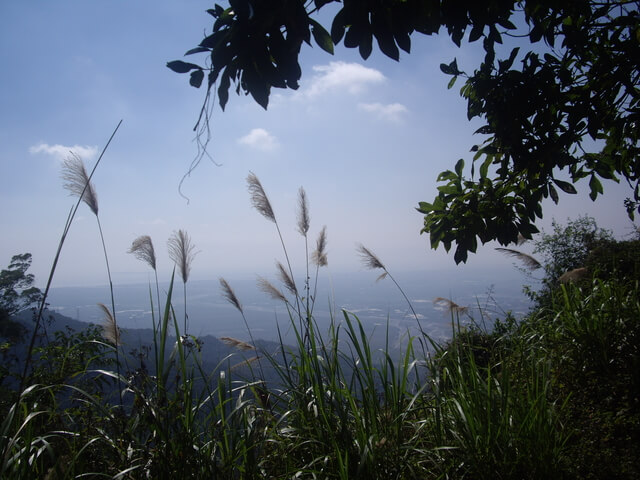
{"x":497,"y":420}
{"x":342,"y":412}
{"x":513,"y":402}
{"x":591,"y":332}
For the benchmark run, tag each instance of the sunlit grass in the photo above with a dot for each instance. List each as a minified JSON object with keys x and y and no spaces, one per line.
{"x":501,"y":403}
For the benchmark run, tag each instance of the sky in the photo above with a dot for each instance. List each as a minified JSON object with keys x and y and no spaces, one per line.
{"x":366,"y":140}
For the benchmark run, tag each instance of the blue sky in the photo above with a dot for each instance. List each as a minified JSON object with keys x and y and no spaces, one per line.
{"x":365,"y":139}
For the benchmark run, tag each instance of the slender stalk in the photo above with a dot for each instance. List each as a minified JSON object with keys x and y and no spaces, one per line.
{"x":43,"y":300}
{"x":372,"y":262}
{"x":184,"y":290}
{"x":261,"y":203}
{"x":230,"y":295}
{"x":113,"y":307}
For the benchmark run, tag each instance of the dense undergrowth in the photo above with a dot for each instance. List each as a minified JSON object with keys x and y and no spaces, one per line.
{"x":551,"y":395}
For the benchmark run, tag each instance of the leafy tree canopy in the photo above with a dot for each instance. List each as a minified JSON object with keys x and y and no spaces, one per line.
{"x":563,"y":109}
{"x":16,"y":292}
{"x":16,"y":285}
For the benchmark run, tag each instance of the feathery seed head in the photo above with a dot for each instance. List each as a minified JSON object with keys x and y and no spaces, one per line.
{"x":369,"y":259}
{"x":573,"y":275}
{"x":449,"y":305}
{"x":259,"y":198}
{"x":110,"y":330}
{"x":181,"y":251}
{"x":142,"y":249}
{"x":239,"y":344}
{"x":303,"y":213}
{"x":319,"y":255}
{"x":267,"y":287}
{"x":77,"y":181}
{"x":229,"y":294}
{"x":528,"y":261}
{"x":286,"y":279}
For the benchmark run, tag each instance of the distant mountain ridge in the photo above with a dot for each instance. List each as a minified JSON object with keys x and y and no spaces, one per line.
{"x":213,"y":353}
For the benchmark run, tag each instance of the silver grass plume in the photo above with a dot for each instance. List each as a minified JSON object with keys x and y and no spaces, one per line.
{"x":230,"y":295}
{"x":239,"y":344}
{"x":319,"y":255}
{"x":110,"y":330}
{"x":181,"y":251}
{"x":450,"y":305}
{"x":573,"y":275}
{"x":521,"y":239}
{"x":142,"y":249}
{"x":369,"y":258}
{"x":528,"y":261}
{"x":371,"y":261}
{"x":286,"y":279}
{"x":259,"y":198}
{"x":76,"y":180}
{"x":303,"y":213}
{"x":244,"y":363}
{"x":267,"y":287}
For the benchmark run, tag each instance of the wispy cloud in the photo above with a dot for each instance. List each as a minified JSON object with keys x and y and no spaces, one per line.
{"x":154,"y":222}
{"x":61,"y":152}
{"x":259,"y":139}
{"x":392,"y":112}
{"x":341,"y":76}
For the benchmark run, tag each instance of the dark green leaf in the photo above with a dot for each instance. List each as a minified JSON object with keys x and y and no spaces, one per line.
{"x":507,"y":64}
{"x":321,"y":3}
{"x":476,"y":32}
{"x":403,"y":40}
{"x":179,"y":66}
{"x":321,"y":36}
{"x":366,"y":46}
{"x":553,"y":194}
{"x":197,"y":50}
{"x":353,"y":37}
{"x":459,"y":167}
{"x":449,"y":189}
{"x":507,"y":24}
{"x":596,"y":187}
{"x":446,"y":175}
{"x":452,"y":82}
{"x":484,"y":168}
{"x":566,"y":187}
{"x":338,"y":27}
{"x":460,"y":255}
{"x":451,"y":69}
{"x":424,"y":207}
{"x":536,"y":33}
{"x":196,"y":78}
{"x":388,"y":46}
{"x":261,"y":95}
{"x":223,"y":89}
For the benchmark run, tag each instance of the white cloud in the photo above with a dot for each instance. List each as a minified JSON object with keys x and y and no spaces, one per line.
{"x":60,"y":152}
{"x":259,"y":139}
{"x":350,"y":77}
{"x":392,"y":112}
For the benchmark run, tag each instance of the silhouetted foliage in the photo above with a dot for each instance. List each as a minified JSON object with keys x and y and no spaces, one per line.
{"x":16,"y":294}
{"x":560,"y":106}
